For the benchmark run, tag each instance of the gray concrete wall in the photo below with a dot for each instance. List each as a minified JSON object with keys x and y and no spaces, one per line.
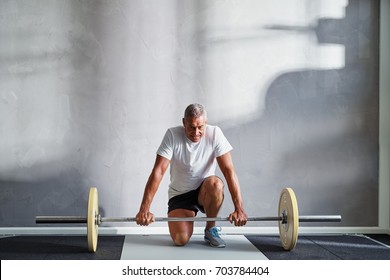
{"x":88,"y":88}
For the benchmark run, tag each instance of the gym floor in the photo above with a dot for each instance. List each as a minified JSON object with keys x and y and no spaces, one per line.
{"x":326,"y":247}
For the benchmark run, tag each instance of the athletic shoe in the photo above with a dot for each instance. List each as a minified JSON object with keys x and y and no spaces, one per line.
{"x":212,"y":237}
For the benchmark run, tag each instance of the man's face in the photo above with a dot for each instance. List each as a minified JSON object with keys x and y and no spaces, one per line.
{"x":195,"y":128}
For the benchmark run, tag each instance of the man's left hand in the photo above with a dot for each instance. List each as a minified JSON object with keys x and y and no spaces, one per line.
{"x":238,"y":217}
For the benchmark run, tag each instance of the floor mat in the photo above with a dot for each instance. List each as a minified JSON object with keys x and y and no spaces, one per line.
{"x":59,"y":248}
{"x":160,"y":247}
{"x":332,"y":247}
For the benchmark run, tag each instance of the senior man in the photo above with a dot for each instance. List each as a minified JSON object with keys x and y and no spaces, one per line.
{"x":193,"y":151}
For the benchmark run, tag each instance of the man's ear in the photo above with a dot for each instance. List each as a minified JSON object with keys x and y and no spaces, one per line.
{"x":183,"y":122}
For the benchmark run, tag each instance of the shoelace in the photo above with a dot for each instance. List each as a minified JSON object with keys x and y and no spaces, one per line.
{"x":214,"y":231}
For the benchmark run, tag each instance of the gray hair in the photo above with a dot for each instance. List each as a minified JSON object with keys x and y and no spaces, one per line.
{"x":195,"y":111}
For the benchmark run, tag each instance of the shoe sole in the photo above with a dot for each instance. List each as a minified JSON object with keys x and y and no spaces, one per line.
{"x":215,"y":246}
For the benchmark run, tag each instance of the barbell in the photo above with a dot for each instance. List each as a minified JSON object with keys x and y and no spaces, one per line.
{"x":287,"y":218}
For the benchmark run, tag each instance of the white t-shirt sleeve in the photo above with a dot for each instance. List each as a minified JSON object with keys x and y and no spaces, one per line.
{"x":222,"y":145}
{"x":166,"y":146}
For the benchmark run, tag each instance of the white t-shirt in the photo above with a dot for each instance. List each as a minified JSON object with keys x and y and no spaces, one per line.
{"x":192,"y":162}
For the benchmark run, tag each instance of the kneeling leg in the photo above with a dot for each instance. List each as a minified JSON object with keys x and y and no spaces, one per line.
{"x":181,"y":232}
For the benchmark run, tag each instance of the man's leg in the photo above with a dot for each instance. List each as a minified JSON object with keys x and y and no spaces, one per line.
{"x":181,"y":232}
{"x":211,"y":197}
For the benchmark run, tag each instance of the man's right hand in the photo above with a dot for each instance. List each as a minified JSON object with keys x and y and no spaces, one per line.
{"x":144,"y":218}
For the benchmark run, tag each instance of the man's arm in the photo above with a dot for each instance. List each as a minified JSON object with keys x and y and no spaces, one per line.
{"x":225,"y":163}
{"x":144,"y":217}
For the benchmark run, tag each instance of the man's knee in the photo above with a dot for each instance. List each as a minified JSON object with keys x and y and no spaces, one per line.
{"x":214,"y":187}
{"x":181,"y":238}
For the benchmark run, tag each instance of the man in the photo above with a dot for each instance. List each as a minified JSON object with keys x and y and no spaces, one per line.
{"x":192,"y":151}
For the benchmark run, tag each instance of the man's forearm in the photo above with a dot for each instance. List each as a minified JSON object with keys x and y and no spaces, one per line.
{"x":234,"y":189}
{"x":150,"y":191}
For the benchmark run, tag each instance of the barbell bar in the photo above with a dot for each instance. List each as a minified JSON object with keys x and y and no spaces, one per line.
{"x":287,"y":218}
{"x":100,"y":220}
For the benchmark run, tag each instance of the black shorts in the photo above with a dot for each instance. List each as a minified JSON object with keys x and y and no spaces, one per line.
{"x":188,"y":201}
